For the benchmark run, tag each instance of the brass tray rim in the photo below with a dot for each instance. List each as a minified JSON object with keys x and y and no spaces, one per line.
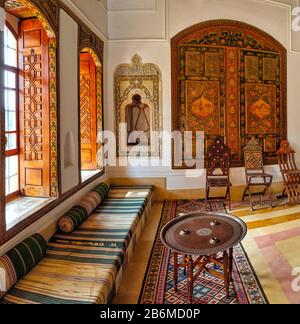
{"x":188,"y":215}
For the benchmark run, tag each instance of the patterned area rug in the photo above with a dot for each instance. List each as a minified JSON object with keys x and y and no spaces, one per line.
{"x":158,"y":281}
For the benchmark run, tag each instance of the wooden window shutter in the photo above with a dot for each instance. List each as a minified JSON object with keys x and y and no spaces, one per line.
{"x":34,"y":109}
{"x":88,"y":112}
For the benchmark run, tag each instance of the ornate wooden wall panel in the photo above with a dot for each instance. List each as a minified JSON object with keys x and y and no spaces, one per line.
{"x":229,"y":79}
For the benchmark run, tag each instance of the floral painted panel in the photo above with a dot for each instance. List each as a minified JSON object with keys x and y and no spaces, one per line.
{"x":229,"y":79}
{"x":260,"y":109}
{"x":203,"y":108}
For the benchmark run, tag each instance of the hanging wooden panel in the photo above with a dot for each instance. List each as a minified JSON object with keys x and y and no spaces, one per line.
{"x":88,"y":112}
{"x":229,"y":79}
{"x":34,"y":109}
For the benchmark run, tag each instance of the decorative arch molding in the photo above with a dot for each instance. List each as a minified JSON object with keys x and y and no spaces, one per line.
{"x":88,"y":39}
{"x":144,"y":80}
{"x":46,"y":11}
{"x":221,"y":71}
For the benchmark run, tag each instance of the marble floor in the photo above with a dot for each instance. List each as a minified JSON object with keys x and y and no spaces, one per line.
{"x":133,"y":279}
{"x":272,"y":245}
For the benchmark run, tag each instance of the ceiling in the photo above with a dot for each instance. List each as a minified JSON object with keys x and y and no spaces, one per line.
{"x":146,"y":5}
{"x":129,"y":5}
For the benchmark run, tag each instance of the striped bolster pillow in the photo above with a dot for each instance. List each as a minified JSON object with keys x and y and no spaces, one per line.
{"x":20,"y":260}
{"x":79,"y":213}
{"x":72,"y":219}
{"x":102,"y":190}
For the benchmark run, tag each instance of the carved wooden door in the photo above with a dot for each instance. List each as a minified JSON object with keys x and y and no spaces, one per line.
{"x":88,"y":112}
{"x":34,"y":109}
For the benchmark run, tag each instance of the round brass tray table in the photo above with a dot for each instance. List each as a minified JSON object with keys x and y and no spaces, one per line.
{"x":200,"y":237}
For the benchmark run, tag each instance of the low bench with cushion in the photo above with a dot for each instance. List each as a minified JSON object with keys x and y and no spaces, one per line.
{"x":86,"y":265}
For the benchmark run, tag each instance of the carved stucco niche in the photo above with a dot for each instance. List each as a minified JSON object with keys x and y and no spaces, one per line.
{"x":144,"y":80}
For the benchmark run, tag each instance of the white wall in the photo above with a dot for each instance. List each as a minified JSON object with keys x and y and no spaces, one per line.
{"x":140,"y":15}
{"x":272,"y":17}
{"x":93,"y":13}
{"x":69,"y":99}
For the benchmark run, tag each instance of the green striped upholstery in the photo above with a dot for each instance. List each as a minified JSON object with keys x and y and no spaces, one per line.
{"x":114,"y":221}
{"x":102,"y":190}
{"x":21,"y":260}
{"x":70,"y":274}
{"x":83,"y":267}
{"x":79,"y":213}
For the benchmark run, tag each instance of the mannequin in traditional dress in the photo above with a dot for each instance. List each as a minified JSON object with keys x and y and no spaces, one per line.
{"x":138,"y":119}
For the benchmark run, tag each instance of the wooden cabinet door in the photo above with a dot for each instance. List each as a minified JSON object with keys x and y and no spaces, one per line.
{"x":88,"y":112}
{"x":34,"y":109}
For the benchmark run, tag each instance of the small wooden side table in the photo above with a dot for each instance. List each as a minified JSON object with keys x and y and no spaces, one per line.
{"x":199,"y":238}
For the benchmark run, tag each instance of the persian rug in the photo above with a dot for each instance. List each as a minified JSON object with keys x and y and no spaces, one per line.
{"x":208,"y":289}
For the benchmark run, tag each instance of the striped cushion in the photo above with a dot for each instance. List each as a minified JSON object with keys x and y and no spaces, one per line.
{"x":113,"y":223}
{"x":102,"y":189}
{"x":20,"y":261}
{"x":70,"y":274}
{"x":79,"y":213}
{"x":82,"y":267}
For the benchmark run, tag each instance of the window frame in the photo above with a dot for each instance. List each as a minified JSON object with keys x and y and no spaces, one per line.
{"x":96,"y":47}
{"x":87,"y":38}
{"x":15,"y":152}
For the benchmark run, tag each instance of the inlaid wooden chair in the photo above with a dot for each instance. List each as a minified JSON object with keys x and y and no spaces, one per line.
{"x":290,"y":172}
{"x":217,"y":170}
{"x":255,"y":174}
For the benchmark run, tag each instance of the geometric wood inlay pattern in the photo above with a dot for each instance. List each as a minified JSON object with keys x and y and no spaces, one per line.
{"x":33,"y":107}
{"x":85,"y":110}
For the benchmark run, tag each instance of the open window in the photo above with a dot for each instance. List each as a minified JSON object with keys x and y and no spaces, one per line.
{"x":90,"y":113}
{"x":30,"y":112}
{"x":12,"y":148}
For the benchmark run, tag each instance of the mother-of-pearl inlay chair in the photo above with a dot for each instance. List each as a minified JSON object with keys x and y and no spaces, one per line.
{"x":217,"y":170}
{"x":255,"y":174}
